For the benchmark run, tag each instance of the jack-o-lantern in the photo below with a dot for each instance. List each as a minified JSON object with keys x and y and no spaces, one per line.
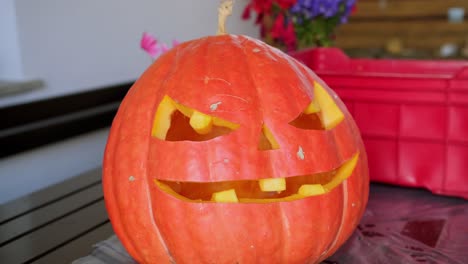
{"x":227,"y":150}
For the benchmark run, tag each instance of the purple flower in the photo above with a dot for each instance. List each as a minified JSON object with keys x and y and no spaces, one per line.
{"x":330,"y":8}
{"x":326,"y":8}
{"x":349,"y":4}
{"x":307,"y":8}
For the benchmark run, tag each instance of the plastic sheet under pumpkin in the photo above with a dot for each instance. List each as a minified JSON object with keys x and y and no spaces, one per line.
{"x":400,"y":225}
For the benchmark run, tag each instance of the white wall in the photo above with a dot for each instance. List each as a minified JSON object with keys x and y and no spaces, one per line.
{"x":78,"y":45}
{"x":10,"y":60}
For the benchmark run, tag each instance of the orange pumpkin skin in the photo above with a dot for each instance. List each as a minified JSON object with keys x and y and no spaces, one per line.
{"x":250,"y":84}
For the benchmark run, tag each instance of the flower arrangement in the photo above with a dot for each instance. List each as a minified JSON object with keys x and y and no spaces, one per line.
{"x":296,"y":24}
{"x":152,"y":46}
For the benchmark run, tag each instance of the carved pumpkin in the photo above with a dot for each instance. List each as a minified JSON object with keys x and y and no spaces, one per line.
{"x":227,"y":150}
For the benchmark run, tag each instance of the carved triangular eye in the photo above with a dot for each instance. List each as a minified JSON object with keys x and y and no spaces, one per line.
{"x":321,"y":114}
{"x":308,"y":121}
{"x":176,"y":122}
{"x":267,"y":141}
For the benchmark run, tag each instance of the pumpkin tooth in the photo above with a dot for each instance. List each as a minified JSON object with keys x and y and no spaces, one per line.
{"x":201,"y":123}
{"x":330,"y":114}
{"x":162,"y":118}
{"x":227,"y":196}
{"x":313,"y":107}
{"x":311,"y":189}
{"x":223,"y":123}
{"x":272,"y":184}
{"x":271,"y":139}
{"x":343,"y":172}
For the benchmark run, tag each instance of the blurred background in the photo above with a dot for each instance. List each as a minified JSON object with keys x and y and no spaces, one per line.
{"x":52,"y":50}
{"x":401,"y":67}
{"x":406,"y":29}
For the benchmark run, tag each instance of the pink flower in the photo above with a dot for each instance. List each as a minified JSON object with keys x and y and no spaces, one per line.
{"x":286,"y":4}
{"x":246,"y":13}
{"x":175,"y":43}
{"x":266,"y":6}
{"x":165,"y":48}
{"x":289,"y":37}
{"x":284,"y":31}
{"x":262,"y":6}
{"x":149,"y":44}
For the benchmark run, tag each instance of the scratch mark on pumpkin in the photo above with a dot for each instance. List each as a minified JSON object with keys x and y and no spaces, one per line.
{"x":214,"y":106}
{"x":256,"y":50}
{"x":131,"y":178}
{"x":234,"y":96}
{"x":209,"y":79}
{"x":231,"y":110}
{"x":300,"y":153}
{"x":270,"y":51}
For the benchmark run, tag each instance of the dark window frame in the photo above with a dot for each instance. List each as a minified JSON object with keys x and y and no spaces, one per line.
{"x":34,"y":124}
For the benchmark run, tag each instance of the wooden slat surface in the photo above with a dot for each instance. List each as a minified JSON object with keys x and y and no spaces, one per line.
{"x":80,"y":247}
{"x":405,"y":8}
{"x":47,"y":214}
{"x":414,"y":42}
{"x":427,"y":30}
{"x":398,"y":28}
{"x":41,"y":198}
{"x":56,"y":225}
{"x":54,"y":235}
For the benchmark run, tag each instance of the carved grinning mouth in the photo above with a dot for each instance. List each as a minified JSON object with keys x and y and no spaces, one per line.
{"x":262,"y":190}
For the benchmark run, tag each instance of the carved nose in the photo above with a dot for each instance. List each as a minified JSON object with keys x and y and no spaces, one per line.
{"x":267,"y":140}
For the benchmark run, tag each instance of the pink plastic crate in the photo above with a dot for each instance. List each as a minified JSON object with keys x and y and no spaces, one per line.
{"x":413,"y":116}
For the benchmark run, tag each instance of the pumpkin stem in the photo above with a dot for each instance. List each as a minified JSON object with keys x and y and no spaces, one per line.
{"x":224,"y":10}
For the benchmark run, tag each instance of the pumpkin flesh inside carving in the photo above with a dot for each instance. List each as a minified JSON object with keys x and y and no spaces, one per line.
{"x":189,"y":124}
{"x":262,"y":190}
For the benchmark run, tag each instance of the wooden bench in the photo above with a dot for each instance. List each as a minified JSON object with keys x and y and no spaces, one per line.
{"x":56,"y":225}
